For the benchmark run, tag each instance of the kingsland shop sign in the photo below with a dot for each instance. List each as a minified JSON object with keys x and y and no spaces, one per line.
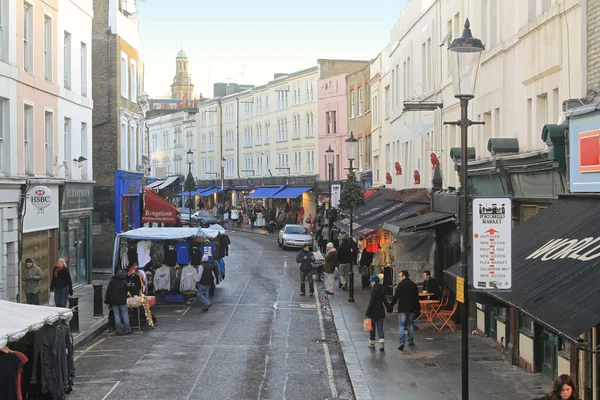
{"x":577,"y":249}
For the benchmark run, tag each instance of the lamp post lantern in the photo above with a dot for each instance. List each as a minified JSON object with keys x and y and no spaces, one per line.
{"x":465,"y":55}
{"x":351,"y":149}
{"x":190,"y":159}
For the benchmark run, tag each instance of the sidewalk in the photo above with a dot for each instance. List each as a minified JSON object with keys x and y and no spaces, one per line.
{"x":90,"y":326}
{"x":431,"y":369}
{"x":246,"y":228}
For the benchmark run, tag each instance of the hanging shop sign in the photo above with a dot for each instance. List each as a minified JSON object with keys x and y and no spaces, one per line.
{"x":40,"y":197}
{"x":492,"y":226}
{"x":336,"y":191}
{"x":78,"y":196}
{"x":41,"y":210}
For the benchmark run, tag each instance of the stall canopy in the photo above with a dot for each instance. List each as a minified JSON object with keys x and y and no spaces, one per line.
{"x":290,"y":192}
{"x":210,"y":191}
{"x":424,"y":221}
{"x":264,"y":192}
{"x":153,"y":184}
{"x":170,"y":180}
{"x":398,"y":211}
{"x":18,"y":319}
{"x":556,"y":267}
{"x":157,"y":209}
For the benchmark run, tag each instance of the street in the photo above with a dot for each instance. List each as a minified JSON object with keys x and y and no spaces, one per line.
{"x":259,"y":340}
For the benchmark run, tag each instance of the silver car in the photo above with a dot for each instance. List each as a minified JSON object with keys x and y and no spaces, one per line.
{"x":294,"y":236}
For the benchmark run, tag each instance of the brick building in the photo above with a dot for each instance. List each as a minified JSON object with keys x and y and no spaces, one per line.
{"x":118,"y":121}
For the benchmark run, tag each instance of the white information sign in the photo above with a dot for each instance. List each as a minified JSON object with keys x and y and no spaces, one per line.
{"x":336,"y":191}
{"x":492,"y":226}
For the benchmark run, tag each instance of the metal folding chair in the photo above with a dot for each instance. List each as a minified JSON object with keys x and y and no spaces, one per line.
{"x":446,"y":315}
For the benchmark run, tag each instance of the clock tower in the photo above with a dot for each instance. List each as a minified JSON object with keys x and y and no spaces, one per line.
{"x":182,"y":87}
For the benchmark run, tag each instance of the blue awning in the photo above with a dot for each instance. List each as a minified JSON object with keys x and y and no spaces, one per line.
{"x":200,"y":191}
{"x":210,"y":192}
{"x":291,"y":192}
{"x":264,"y":192}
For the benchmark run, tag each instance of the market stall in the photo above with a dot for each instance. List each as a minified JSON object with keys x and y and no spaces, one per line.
{"x":37,"y":341}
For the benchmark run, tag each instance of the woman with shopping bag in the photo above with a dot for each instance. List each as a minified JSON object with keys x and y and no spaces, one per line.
{"x":376,"y":312}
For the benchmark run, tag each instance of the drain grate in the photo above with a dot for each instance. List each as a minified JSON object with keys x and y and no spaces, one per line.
{"x":430,"y":364}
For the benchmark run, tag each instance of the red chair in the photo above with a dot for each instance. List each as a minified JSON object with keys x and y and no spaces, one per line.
{"x":446,"y":315}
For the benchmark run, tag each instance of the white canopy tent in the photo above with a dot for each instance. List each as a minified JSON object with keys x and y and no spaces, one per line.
{"x":160,"y":234}
{"x":17,"y":319}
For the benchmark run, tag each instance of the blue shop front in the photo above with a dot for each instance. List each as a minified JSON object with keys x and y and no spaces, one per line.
{"x":128,"y":186}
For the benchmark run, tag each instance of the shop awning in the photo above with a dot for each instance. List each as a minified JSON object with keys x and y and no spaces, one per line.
{"x":186,"y":194}
{"x":170,"y":180}
{"x":373,"y":204}
{"x":369,"y":193}
{"x":18,"y":319}
{"x":398,"y":211}
{"x":264,"y":192}
{"x":290,"y":192}
{"x":556,"y":267}
{"x":157,"y":209}
{"x":420,"y":222}
{"x":210,"y":192}
{"x":153,"y":184}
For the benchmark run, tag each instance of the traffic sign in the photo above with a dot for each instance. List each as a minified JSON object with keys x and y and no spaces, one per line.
{"x":492,"y":226}
{"x":460,"y":289}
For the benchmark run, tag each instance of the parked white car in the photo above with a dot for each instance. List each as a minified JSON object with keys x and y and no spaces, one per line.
{"x":294,"y":236}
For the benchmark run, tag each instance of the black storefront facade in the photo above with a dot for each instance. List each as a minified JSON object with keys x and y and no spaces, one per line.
{"x":75,"y":226}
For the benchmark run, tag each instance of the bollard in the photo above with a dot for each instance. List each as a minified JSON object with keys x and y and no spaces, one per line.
{"x":74,"y":306}
{"x":98,"y":307}
{"x":351,"y":284}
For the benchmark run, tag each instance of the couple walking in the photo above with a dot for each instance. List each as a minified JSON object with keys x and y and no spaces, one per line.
{"x":342,"y":259}
{"x":407,"y":297}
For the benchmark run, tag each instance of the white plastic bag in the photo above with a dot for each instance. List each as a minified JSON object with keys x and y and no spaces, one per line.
{"x":51,"y":301}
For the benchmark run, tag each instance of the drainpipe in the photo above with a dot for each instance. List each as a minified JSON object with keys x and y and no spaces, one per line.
{"x":237,"y":132}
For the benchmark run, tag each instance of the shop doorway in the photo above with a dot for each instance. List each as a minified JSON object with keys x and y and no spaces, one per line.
{"x":73,"y":247}
{"x":549,"y":359}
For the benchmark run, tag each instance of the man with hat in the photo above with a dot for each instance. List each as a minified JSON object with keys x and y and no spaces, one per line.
{"x":32,"y":277}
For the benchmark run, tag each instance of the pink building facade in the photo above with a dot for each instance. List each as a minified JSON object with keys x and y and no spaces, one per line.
{"x":333,"y":124}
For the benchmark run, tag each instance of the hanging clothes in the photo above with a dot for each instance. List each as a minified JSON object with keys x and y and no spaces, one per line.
{"x":170,"y":257}
{"x":183,"y":253}
{"x":132,"y":254}
{"x":143,"y":252}
{"x":175,"y":278}
{"x":123,"y":255}
{"x":196,"y":256}
{"x":11,"y":367}
{"x":209,"y":249}
{"x":162,"y":278}
{"x":188,"y":278}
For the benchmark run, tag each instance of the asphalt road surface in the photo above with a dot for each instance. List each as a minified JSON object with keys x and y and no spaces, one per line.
{"x":259,"y":340}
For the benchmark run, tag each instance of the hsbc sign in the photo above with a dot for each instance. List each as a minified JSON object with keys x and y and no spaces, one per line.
{"x":40,"y":197}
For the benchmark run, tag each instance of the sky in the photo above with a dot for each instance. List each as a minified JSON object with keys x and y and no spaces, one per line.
{"x":249,"y":41}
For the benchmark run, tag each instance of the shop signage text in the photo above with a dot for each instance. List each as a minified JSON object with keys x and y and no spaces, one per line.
{"x":492,"y":227}
{"x":460,"y":289}
{"x":578,"y":249}
{"x":40,"y":197}
{"x":78,"y":196}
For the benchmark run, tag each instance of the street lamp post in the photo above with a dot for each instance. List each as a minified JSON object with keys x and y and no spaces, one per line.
{"x":465,"y":55}
{"x":223,"y":162}
{"x":351,"y":148}
{"x":190,"y":160}
{"x":329,"y":155}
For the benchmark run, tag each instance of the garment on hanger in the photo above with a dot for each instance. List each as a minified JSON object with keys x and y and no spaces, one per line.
{"x":11,"y":367}
{"x":209,"y":250}
{"x":196,"y":257}
{"x":123,"y":255}
{"x":183,"y":253}
{"x":143,"y":252}
{"x":132,"y":254}
{"x":162,"y":278}
{"x":170,"y":257}
{"x":188,"y":278}
{"x":175,"y":278}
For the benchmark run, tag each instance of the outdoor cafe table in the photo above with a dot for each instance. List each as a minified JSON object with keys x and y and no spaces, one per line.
{"x":428,"y":308}
{"x":424,"y":296}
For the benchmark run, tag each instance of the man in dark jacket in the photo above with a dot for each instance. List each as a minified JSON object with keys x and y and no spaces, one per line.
{"x":345,"y":259}
{"x":305,"y":258}
{"x":376,"y":311}
{"x":116,"y":299}
{"x":430,"y":285}
{"x":407,"y":297}
{"x":206,"y":277}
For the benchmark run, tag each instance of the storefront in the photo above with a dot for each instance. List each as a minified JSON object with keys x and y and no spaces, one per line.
{"x":75,"y":241}
{"x":127,"y":200}
{"x":40,"y":230}
{"x":10,"y":197}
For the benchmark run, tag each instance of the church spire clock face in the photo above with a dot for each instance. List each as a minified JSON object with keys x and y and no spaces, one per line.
{"x":182,"y":87}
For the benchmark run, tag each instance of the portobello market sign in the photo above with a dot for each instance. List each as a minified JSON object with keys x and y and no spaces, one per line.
{"x":578,"y":249}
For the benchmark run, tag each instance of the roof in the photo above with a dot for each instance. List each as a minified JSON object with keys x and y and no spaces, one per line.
{"x":419,"y":222}
{"x":556,"y":266}
{"x":181,"y":54}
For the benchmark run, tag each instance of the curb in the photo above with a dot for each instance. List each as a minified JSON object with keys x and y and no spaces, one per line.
{"x":90,"y":333}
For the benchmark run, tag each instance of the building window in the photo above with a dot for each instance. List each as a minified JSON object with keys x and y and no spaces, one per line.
{"x":309,"y":91}
{"x":296,"y":127}
{"x":83,"y":150}
{"x":375,"y":111}
{"x":259,"y":165}
{"x":48,"y":136}
{"x":47,"y":48}
{"x":67,"y":61}
{"x":27,"y":37}
{"x":360,"y":101}
{"x":124,"y":76}
{"x":258,"y":101}
{"x":3,"y":30}
{"x":267,"y":133}
{"x":407,"y":78}
{"x":4,"y":136}
{"x":309,"y":124}
{"x":526,"y":323}
{"x":84,"y":69}
{"x":360,"y":153}
{"x":352,"y":104}
{"x":388,"y":100}
{"x":211,"y":141}
{"x":211,"y":166}
{"x":133,"y":81}
{"x":268,"y":163}
{"x":203,"y":169}
{"x":248,"y":136}
{"x":28,"y":135}
{"x":297,"y":162}
{"x":267,"y":106}
{"x":283,"y":162}
{"x":258,"y":134}
{"x":310,"y":161}
{"x":331,"y":122}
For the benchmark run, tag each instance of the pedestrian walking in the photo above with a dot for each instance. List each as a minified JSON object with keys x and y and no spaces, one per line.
{"x":407,"y":297}
{"x":305,"y":258}
{"x":61,"y":283}
{"x":116,"y":299}
{"x":376,"y":311}
{"x":345,"y":260}
{"x":205,"y":278}
{"x":563,"y":388}
{"x":32,"y":276}
{"x":331,"y":259}
{"x":321,"y":239}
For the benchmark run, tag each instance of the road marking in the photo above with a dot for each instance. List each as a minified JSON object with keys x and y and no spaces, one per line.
{"x":111,"y":390}
{"x":334,"y":392}
{"x":89,"y":348}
